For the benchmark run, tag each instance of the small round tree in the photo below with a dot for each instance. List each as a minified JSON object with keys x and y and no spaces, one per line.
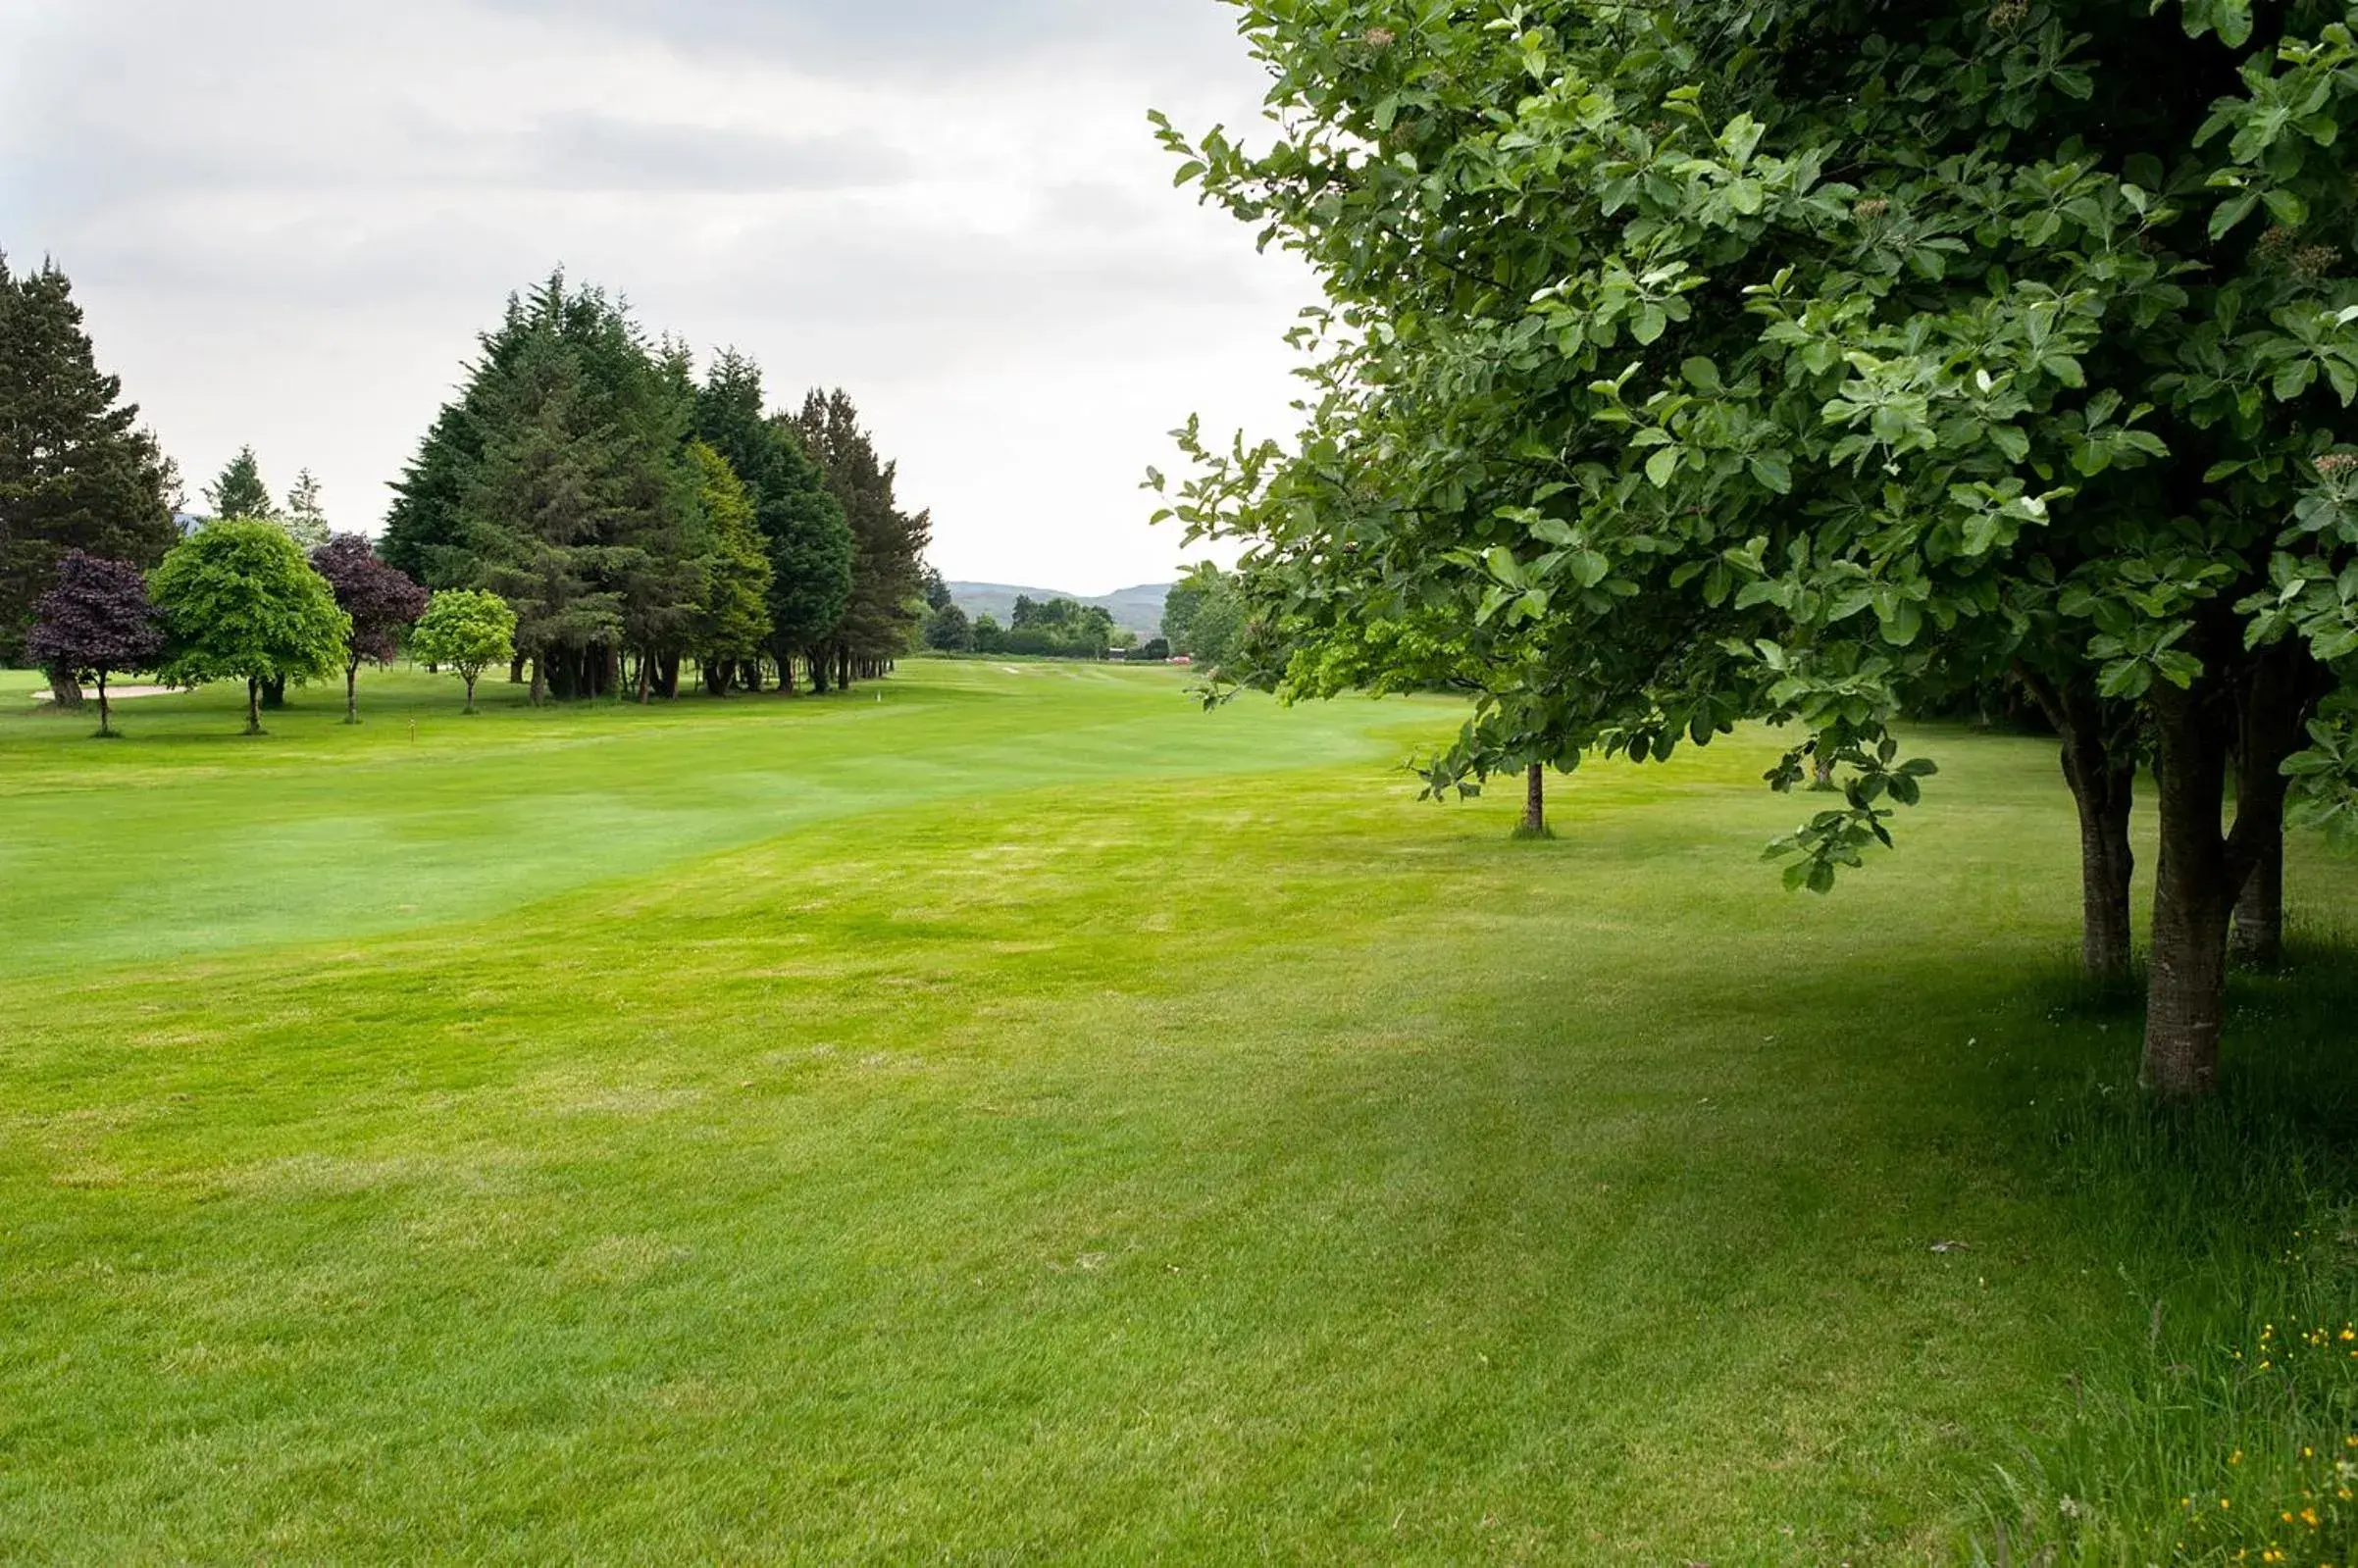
{"x":381,"y":600}
{"x":241,"y":602}
{"x":95,"y":623}
{"x":467,"y":630}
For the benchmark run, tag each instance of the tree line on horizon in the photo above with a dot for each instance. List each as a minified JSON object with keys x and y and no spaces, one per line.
{"x":585,"y":503}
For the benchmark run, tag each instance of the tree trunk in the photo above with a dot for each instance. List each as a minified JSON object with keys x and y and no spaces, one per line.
{"x":785,"y":676}
{"x":539,"y":690}
{"x":253,"y":706}
{"x":2193,"y":893}
{"x":2271,"y":717}
{"x":646,"y":680}
{"x":469,"y":698}
{"x":749,"y":676}
{"x":274,"y":692}
{"x":1535,"y":803}
{"x":818,"y":671}
{"x":352,"y":692}
{"x":65,"y":693}
{"x":2100,"y":764}
{"x":106,"y":718}
{"x":2259,"y":936}
{"x":516,"y":671}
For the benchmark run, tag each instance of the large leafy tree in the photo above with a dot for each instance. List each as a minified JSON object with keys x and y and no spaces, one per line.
{"x":889,"y":584}
{"x":96,"y":622}
{"x":1765,"y":359}
{"x":241,"y":602}
{"x":380,"y":600}
{"x":77,"y":471}
{"x":810,"y":546}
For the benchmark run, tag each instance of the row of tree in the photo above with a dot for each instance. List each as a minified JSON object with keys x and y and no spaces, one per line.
{"x":239,"y":599}
{"x":636,"y":518}
{"x":1686,"y":364}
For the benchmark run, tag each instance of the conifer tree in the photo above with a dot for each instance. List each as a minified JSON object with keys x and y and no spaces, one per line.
{"x":75,"y":470}
{"x":540,"y":506}
{"x":306,"y":517}
{"x":887,"y":604}
{"x":809,"y":542}
{"x":240,"y":491}
{"x":733,"y":626}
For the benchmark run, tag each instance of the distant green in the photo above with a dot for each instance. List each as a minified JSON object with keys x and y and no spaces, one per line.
{"x":1007,"y":1114}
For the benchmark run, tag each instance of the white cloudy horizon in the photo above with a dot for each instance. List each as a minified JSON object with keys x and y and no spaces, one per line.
{"x":288,"y":221}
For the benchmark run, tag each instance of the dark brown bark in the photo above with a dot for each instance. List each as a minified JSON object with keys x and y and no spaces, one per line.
{"x":65,"y":693}
{"x":540,"y":691}
{"x":1535,"y":801}
{"x":2204,"y":871}
{"x":253,"y":706}
{"x":2100,"y":764}
{"x":750,"y":672}
{"x":516,"y":671}
{"x":2193,"y":893}
{"x":106,"y":718}
{"x":351,"y":691}
{"x":470,"y":704}
{"x":273,"y":692}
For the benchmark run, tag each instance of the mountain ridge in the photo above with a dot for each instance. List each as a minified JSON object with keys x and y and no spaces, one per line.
{"x":1136,"y":609}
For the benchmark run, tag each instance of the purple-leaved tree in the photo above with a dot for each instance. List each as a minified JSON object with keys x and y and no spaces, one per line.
{"x":95,"y":623}
{"x":381,"y":600}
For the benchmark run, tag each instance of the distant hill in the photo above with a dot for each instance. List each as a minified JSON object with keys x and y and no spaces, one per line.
{"x":1138,"y":609}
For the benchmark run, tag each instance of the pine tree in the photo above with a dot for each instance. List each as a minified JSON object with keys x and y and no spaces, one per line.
{"x":733,"y":625}
{"x":425,"y":530}
{"x":240,"y":491}
{"x":887,"y":604}
{"x":560,"y":478}
{"x":306,"y":519}
{"x":540,"y":506}
{"x":75,"y":470}
{"x":809,"y":542}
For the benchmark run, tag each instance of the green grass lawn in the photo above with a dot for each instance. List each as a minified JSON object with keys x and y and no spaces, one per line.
{"x":1009,"y":1115}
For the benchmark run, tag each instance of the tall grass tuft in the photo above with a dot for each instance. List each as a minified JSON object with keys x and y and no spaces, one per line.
{"x":2227,"y":1432}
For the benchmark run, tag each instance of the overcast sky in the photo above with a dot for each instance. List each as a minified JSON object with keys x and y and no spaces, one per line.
{"x":289,"y":218}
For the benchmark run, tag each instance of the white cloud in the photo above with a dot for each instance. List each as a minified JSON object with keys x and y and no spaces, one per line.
{"x":287,"y":220}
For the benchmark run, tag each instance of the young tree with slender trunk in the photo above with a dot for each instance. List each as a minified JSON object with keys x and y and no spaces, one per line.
{"x":467,"y":631}
{"x":381,"y":601}
{"x":98,"y":623}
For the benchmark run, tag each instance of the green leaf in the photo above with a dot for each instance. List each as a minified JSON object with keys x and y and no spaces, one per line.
{"x":1662,"y":466}
{"x":2287,"y":208}
{"x":2232,"y":212}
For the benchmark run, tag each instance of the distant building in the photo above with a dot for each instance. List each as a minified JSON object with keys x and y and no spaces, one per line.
{"x":189,"y":521}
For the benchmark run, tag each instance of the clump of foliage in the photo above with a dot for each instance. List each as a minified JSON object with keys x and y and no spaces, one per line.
{"x":96,"y":622}
{"x":1050,"y":628}
{"x":380,"y":600}
{"x":948,"y":630}
{"x":467,"y":631}
{"x":1699,"y":364}
{"x":800,"y":520}
{"x":241,"y":602}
